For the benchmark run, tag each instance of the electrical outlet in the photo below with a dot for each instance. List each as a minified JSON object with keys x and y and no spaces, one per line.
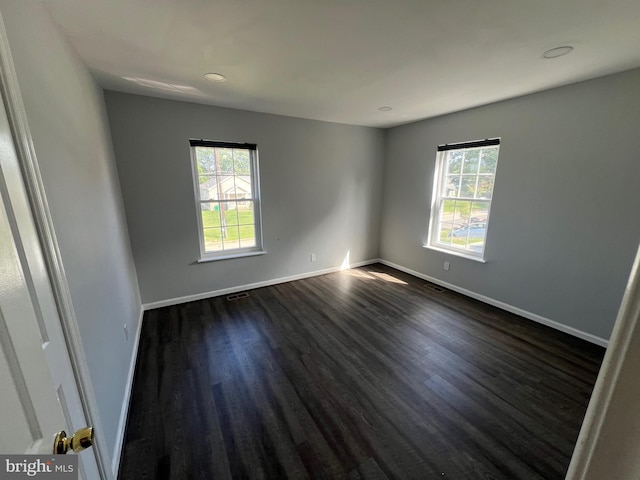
{"x":126,"y":333}
{"x":446,"y":265}
{"x":313,"y":257}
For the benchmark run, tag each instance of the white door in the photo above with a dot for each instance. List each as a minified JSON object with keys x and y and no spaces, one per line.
{"x":38,"y":391}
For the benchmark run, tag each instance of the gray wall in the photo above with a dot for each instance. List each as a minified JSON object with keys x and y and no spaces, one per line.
{"x":563,"y":229}
{"x":320,"y":183}
{"x":66,"y":114}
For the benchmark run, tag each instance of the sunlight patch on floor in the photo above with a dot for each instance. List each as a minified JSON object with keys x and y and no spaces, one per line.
{"x":360,"y":274}
{"x":387,"y":278}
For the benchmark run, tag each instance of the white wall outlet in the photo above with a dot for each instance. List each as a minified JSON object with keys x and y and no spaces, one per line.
{"x":446,"y":265}
{"x":313,"y":257}
{"x":126,"y":333}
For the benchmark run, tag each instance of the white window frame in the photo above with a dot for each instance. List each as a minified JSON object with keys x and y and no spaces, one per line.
{"x":258,"y":248}
{"x":439,"y":198}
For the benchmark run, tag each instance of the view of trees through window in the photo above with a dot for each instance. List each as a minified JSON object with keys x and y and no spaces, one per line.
{"x":227,"y":203}
{"x":463,"y":201}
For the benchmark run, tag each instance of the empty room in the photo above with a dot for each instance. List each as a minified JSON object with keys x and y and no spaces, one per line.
{"x":341,"y":239}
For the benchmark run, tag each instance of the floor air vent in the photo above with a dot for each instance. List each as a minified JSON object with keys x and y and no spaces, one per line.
{"x":237,"y":296}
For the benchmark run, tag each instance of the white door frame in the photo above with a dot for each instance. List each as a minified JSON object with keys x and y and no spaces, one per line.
{"x":44,"y":224}
{"x":609,"y":442}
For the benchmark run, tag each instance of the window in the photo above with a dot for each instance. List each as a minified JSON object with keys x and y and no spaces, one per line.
{"x":227,"y":197}
{"x":463,"y":187}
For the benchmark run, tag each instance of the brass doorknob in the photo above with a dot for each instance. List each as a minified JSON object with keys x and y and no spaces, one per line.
{"x":79,"y":441}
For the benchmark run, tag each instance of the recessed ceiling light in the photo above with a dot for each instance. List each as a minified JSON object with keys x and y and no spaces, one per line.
{"x":385,"y":109}
{"x":215,"y":77}
{"x":557,"y":52}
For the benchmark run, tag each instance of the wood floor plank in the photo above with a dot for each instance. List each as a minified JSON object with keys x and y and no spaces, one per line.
{"x":364,"y":374}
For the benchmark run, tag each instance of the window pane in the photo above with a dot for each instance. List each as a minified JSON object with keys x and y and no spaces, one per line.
{"x":459,"y":238}
{"x":468,"y":186}
{"x":247,"y":236}
{"x":445,"y":233}
{"x":477,"y":232}
{"x":241,"y":162}
{"x":462,"y":213}
{"x":454,"y":161}
{"x":212,"y":239}
{"x":448,"y":208}
{"x":479,"y":212}
{"x":225,"y":160}
{"x":238,"y":186}
{"x":471,"y":158}
{"x":489,"y":160}
{"x":246,"y":213}
{"x":451,"y":186}
{"x":208,"y":187}
{"x":459,"y":235}
{"x":485,"y":187}
{"x":231,"y":213}
{"x":206,"y":160}
{"x":230,"y":241}
{"x":237,"y":229}
{"x":210,"y":214}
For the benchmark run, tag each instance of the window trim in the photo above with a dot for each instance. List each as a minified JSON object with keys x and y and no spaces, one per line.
{"x":258,"y":249}
{"x":435,"y":213}
{"x":457,"y":253}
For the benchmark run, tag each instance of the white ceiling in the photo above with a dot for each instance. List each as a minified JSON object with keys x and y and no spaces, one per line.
{"x":340,"y":60}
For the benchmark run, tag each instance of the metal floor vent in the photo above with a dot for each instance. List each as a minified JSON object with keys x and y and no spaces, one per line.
{"x":237,"y":296}
{"x":435,"y":288}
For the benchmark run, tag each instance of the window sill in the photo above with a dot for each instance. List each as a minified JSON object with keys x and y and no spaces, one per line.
{"x":230,"y":256}
{"x":457,"y":253}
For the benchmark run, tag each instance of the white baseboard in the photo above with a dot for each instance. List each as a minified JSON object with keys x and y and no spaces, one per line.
{"x":496,"y":303}
{"x":504,"y":306}
{"x":124,"y":412}
{"x":250,"y":286}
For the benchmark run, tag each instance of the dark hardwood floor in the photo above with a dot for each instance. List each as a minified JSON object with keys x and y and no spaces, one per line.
{"x":363,"y":374}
